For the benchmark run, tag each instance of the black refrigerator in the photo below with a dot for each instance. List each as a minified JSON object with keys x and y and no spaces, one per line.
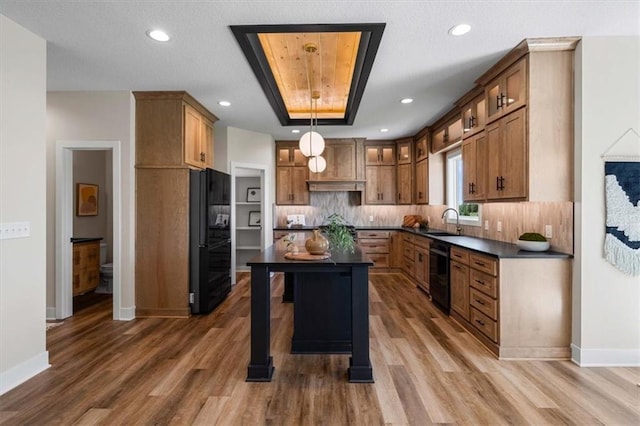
{"x":209,"y":239}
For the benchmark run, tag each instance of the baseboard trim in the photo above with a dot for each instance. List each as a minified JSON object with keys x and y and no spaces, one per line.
{"x":51,"y":313}
{"x":605,"y":357}
{"x":127,"y":314}
{"x":22,"y":372}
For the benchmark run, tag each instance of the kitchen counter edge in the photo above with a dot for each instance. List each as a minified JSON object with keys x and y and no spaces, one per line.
{"x":498,"y":249}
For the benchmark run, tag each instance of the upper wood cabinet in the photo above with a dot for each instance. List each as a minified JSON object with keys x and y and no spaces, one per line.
{"x":404,"y":148}
{"x":404,"y":183}
{"x":341,"y":161}
{"x":173,"y":129}
{"x":473,"y":113}
{"x":530,"y":137}
{"x":380,"y":187}
{"x":422,"y":145}
{"x":421,"y":195}
{"x":474,"y":161}
{"x":507,"y":92}
{"x":289,"y":154}
{"x":446,"y":131}
{"x":291,"y":185}
{"x":380,"y":155}
{"x":507,"y":166}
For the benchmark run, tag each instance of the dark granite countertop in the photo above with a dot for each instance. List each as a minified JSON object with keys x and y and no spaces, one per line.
{"x":491,"y":247}
{"x":274,"y":256}
{"x":85,"y":239}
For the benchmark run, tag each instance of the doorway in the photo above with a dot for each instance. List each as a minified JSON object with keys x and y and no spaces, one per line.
{"x":64,"y":222}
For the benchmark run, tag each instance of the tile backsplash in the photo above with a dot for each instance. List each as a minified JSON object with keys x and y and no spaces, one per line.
{"x":516,"y":218}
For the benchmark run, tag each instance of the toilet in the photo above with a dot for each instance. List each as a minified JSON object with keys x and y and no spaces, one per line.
{"x":106,"y":272}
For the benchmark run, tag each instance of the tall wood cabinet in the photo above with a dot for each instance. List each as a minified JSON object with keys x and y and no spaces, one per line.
{"x":380,"y":172}
{"x":421,"y":186}
{"x":404,"y":149}
{"x":174,"y":133}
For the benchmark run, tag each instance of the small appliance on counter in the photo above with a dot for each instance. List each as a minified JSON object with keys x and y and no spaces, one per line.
{"x":295,"y":221}
{"x":209,"y":239}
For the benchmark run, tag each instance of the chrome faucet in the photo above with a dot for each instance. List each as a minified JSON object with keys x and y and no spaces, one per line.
{"x":444,"y":213}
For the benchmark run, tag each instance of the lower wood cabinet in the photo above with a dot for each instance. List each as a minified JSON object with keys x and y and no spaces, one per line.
{"x":421,"y":262}
{"x":408,"y":252}
{"x":376,"y":244}
{"x":86,"y":266}
{"x":520,"y":308}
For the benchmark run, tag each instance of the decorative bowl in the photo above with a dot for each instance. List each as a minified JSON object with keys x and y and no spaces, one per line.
{"x":533,"y":245}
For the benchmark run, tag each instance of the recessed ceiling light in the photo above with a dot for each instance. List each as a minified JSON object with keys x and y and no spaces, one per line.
{"x":459,"y":29}
{"x":158,"y":35}
{"x":406,"y":101}
{"x":384,"y":130}
{"x":224,"y":103}
{"x":295,"y":131}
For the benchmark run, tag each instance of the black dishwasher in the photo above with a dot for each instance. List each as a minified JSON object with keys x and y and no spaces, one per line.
{"x":439,"y":274}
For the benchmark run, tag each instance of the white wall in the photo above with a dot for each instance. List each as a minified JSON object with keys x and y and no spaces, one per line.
{"x":244,"y":146}
{"x":22,"y":198}
{"x":100,"y":116}
{"x":606,"y":302}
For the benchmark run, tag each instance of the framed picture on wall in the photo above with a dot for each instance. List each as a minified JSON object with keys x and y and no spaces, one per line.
{"x":86,"y":199}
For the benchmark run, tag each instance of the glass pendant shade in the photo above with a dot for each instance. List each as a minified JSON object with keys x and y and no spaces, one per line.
{"x":311,"y":144}
{"x":317,"y":164}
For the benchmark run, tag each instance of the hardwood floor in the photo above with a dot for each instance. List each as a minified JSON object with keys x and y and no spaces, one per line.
{"x":426,"y":368}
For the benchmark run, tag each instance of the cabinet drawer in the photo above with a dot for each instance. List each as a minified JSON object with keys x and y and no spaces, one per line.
{"x":408,"y":238}
{"x":422,"y":242}
{"x":485,"y":304}
{"x":374,"y":246}
{"x":486,"y":325}
{"x":373,"y":234}
{"x":484,"y":263}
{"x":484,"y":282}
{"x":408,"y":266}
{"x":379,"y":260}
{"x":408,"y":252}
{"x":460,"y":255}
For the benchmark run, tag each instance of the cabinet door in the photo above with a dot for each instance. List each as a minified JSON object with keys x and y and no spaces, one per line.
{"x":473,"y":167}
{"x":422,"y":182}
{"x":299,"y":187}
{"x":206,"y":143}
{"x":460,"y":289}
{"x":387,"y":155}
{"x":404,"y":152}
{"x":405,"y":187}
{"x":473,"y":116}
{"x":494,"y":146}
{"x":341,"y":159}
{"x":438,"y":140}
{"x":421,"y":266}
{"x":514,"y":165}
{"x":192,"y":135}
{"x":291,"y":186}
{"x":387,"y":184}
{"x":507,"y":92}
{"x":372,"y":193}
{"x":289,"y":155}
{"x":422,"y":148}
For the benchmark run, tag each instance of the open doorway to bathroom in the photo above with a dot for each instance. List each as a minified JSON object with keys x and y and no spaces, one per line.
{"x":96,"y":164}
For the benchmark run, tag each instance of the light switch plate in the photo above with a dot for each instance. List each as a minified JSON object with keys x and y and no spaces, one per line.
{"x":548,"y":231}
{"x":499,"y":226}
{"x":15,"y":230}
{"x":486,"y":225}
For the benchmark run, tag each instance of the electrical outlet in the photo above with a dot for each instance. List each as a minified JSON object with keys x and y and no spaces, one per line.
{"x":499,"y":226}
{"x":15,"y":230}
{"x":548,"y":231}
{"x":370,"y":218}
{"x":486,"y":225}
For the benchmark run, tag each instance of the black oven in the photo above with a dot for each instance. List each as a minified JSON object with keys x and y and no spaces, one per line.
{"x":439,"y":274}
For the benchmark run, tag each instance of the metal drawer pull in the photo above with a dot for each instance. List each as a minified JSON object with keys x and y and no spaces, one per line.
{"x":480,"y":264}
{"x":480,"y":322}
{"x":480,"y":282}
{"x":479,"y":301}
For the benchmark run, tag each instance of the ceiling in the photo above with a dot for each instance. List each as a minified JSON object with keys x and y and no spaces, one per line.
{"x":100,"y":45}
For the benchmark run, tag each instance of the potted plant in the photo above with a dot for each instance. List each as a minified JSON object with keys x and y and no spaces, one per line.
{"x":338,"y":233}
{"x":532,"y":241}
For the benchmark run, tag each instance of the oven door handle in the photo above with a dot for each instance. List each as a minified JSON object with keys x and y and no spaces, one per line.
{"x":440,"y":252}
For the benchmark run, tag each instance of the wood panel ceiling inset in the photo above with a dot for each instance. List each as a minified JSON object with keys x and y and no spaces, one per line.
{"x":338,"y":69}
{"x":328,"y":70}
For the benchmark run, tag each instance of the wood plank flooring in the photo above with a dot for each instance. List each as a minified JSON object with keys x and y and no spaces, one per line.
{"x":427,"y":370}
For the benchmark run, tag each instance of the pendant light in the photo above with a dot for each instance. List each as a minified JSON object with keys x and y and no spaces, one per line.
{"x":312,"y":142}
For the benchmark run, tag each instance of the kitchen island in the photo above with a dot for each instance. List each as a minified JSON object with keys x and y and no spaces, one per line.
{"x":331,"y":309}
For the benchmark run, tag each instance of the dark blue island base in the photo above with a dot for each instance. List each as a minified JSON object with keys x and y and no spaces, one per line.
{"x":331,"y":310}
